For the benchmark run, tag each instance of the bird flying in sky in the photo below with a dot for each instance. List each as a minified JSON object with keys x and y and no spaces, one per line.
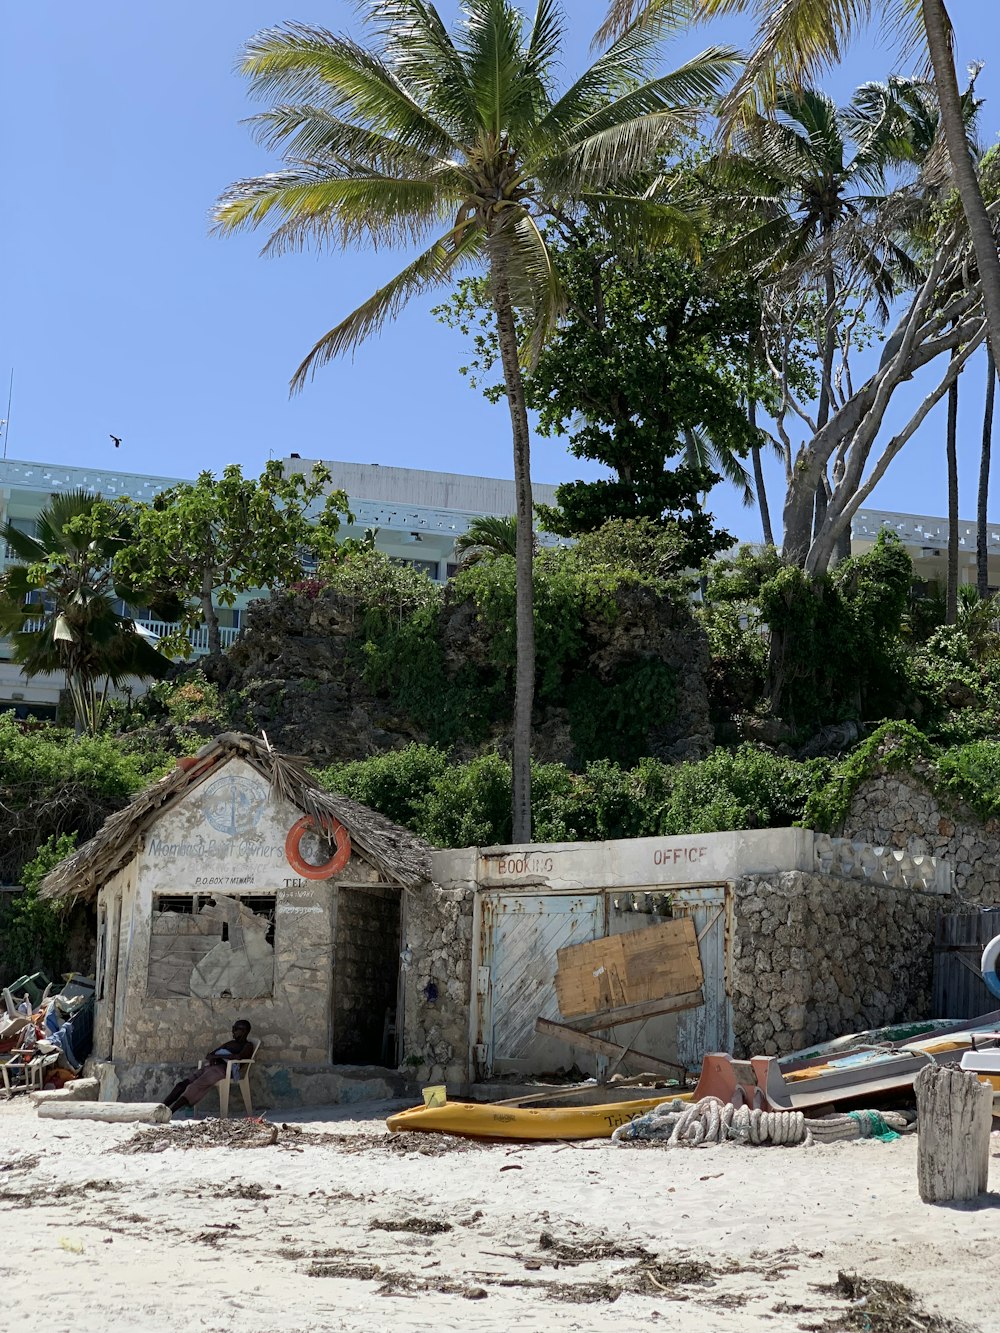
{"x":117,"y":439}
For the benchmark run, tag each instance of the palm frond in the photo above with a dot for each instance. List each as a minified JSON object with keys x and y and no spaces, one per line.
{"x":435,"y":266}
{"x":301,"y":63}
{"x":701,"y":452}
{"x":488,"y":535}
{"x":508,"y":97}
{"x":798,"y":39}
{"x":24,"y":546}
{"x":312,"y":133}
{"x":546,"y":39}
{"x":646,"y":223}
{"x":626,"y":135}
{"x":417,"y":46}
{"x":662,"y":16}
{"x":323,"y":202}
{"x":625,"y":64}
{"x":536,"y":290}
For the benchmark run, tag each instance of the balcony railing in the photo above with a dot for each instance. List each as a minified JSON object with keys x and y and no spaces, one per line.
{"x":198,"y":638}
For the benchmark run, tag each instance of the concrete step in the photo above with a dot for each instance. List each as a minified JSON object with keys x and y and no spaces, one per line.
{"x":80,"y":1090}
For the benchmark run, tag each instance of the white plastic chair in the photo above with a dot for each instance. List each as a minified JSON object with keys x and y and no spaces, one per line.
{"x":243,"y":1082}
{"x":31,"y":1071}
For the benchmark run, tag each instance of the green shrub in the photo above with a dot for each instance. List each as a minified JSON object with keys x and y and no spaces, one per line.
{"x":830,"y":799}
{"x":463,"y":805}
{"x":836,"y":648}
{"x":469,"y":805}
{"x":39,"y":760}
{"x":52,"y":782}
{"x":971,"y":773}
{"x":33,"y":930}
{"x":396,"y":784}
{"x":190,"y":699}
{"x":613,"y":719}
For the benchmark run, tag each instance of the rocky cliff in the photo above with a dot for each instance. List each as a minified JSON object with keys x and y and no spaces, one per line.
{"x":302,"y":671}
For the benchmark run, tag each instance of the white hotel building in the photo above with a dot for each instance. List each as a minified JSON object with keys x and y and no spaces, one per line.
{"x":417,"y":515}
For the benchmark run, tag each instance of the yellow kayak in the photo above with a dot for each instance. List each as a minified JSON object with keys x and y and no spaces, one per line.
{"x":474,"y":1120}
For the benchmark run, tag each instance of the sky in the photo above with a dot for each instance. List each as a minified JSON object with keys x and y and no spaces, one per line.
{"x":123,"y":315}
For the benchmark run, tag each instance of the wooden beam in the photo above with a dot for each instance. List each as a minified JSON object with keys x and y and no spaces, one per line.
{"x":631,"y":1013}
{"x":584,"y":1041}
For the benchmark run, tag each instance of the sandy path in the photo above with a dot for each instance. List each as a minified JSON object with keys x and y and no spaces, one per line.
{"x":97,"y":1240}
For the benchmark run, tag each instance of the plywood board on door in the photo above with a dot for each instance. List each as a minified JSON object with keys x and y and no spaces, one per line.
{"x":619,"y":970}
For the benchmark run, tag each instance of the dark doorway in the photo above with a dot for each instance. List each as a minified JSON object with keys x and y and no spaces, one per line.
{"x":365,"y":972}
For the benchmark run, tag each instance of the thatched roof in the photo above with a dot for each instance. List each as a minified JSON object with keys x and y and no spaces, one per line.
{"x":395,"y":852}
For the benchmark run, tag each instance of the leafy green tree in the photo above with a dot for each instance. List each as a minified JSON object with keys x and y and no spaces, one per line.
{"x":207,"y":541}
{"x":647,"y":374}
{"x":62,"y":606}
{"x":462,"y":139}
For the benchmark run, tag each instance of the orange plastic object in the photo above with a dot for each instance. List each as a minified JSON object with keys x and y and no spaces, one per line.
{"x":333,"y":829}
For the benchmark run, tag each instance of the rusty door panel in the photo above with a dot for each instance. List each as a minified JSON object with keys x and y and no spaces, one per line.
{"x":710,"y":1028}
{"x":520,"y":936}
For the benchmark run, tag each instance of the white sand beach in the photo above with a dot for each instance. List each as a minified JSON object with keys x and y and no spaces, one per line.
{"x":297,"y":1235}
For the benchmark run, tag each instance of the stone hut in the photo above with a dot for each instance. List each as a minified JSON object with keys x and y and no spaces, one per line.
{"x":392,"y":957}
{"x":202,"y":918}
{"x":801,"y":938}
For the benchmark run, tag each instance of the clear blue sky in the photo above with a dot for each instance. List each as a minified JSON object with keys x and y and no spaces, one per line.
{"x":122,"y":314}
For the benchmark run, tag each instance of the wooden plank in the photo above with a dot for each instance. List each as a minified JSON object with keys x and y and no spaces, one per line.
{"x":631,"y":1013}
{"x":585,"y":1042}
{"x":628,"y":969}
{"x":959,"y":940}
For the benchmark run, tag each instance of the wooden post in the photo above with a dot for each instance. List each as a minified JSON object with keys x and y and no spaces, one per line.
{"x":954,"y":1118}
{"x":148,"y":1113}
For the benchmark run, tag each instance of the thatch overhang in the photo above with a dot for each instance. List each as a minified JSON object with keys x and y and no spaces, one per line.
{"x":397,"y":854}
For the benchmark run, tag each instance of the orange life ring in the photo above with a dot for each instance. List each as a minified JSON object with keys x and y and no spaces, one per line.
{"x":333,"y":829}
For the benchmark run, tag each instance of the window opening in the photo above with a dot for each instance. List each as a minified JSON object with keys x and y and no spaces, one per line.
{"x":190,"y":904}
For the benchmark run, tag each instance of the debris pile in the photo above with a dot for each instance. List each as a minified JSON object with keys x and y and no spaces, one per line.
{"x":44,"y":1036}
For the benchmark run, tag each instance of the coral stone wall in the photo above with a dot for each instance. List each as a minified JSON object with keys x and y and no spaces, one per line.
{"x":816,"y":957}
{"x":895,"y":809}
{"x":437,"y":963}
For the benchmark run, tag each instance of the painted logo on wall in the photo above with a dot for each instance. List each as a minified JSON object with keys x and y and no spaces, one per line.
{"x":234,"y":805}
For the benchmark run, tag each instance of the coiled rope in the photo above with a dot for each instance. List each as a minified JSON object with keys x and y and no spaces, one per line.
{"x":679,"y":1124}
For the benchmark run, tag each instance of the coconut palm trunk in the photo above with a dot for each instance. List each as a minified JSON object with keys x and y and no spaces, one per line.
{"x":982,"y":529}
{"x":939,"y":43}
{"x":524,"y":676}
{"x":951,"y":603}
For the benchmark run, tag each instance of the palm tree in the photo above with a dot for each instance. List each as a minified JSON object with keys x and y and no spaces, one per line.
{"x":59,"y":606}
{"x":488,"y":535}
{"x":717,"y":455}
{"x":815,"y":194}
{"x":794,"y":41}
{"x":424,"y":134}
{"x":903,"y":119}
